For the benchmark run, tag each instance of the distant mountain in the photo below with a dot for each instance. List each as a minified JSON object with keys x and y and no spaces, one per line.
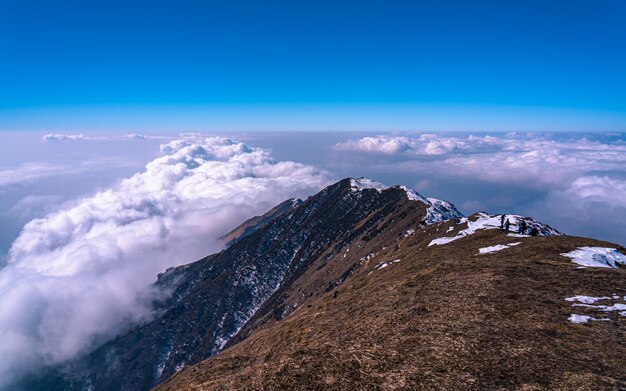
{"x":364,"y":286}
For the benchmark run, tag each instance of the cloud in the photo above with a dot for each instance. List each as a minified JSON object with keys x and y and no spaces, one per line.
{"x":55,"y":137}
{"x":60,"y":137}
{"x":35,"y":171}
{"x":591,"y":206}
{"x":532,"y":159}
{"x":136,"y":136}
{"x":29,"y":172}
{"x":33,"y":206}
{"x":572,"y":174}
{"x":80,"y":275}
{"x":424,"y":144}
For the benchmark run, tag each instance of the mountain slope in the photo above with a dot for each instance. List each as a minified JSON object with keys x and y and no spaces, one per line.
{"x":362,"y":286}
{"x":488,"y":310}
{"x":212,"y":299}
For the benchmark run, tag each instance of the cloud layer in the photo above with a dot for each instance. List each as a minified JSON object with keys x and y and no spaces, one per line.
{"x":568,"y":180}
{"x":62,"y":137}
{"x":36,"y":171}
{"x":79,"y":276}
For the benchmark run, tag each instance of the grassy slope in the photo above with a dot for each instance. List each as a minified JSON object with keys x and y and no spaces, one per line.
{"x":444,"y":317}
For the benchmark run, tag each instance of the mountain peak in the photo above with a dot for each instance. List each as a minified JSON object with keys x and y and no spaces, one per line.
{"x":438,"y":210}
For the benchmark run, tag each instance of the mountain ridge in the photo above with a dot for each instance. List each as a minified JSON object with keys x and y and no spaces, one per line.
{"x":278,"y":265}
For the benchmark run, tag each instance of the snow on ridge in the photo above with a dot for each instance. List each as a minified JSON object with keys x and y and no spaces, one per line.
{"x":412,"y":195}
{"x":438,"y":210}
{"x":487,"y":221}
{"x":497,"y":247}
{"x":597,"y":257}
{"x":484,"y":221}
{"x":357,"y":184}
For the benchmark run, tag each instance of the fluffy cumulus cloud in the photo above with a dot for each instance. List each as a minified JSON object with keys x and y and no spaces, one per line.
{"x":80,"y":275}
{"x":560,"y":176}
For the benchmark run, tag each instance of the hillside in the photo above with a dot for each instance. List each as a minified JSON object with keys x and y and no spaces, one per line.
{"x":367,"y":287}
{"x":440,"y":318}
{"x":209,"y":302}
{"x":413,"y":315}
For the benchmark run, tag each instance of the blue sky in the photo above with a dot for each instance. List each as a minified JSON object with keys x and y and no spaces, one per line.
{"x":249,"y":65}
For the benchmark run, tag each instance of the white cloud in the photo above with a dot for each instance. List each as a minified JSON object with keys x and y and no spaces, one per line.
{"x":380,"y":144}
{"x":61,"y":137}
{"x":534,"y":159}
{"x":136,"y":136}
{"x":424,"y":144}
{"x":34,"y":171}
{"x":575,"y":182}
{"x":78,"y":276}
{"x":56,"y":137}
{"x":29,"y":172}
{"x":591,"y":206}
{"x":34,"y":206}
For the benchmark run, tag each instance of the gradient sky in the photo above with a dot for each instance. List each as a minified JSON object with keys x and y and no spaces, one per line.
{"x":357,"y":65}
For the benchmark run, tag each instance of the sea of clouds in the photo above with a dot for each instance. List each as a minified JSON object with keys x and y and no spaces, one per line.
{"x":576,"y":182}
{"x":80,"y":275}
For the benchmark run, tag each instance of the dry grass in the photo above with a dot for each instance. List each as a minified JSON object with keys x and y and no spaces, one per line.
{"x":443,"y":318}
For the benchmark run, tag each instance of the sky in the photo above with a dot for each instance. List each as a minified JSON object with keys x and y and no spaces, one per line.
{"x":284,"y":65}
{"x":134,"y":134}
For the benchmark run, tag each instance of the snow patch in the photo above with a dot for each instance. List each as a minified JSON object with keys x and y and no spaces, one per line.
{"x":588,"y":302}
{"x":439,"y":211}
{"x":596,"y":257}
{"x":358,"y":184}
{"x":575,"y":318}
{"x":586,"y":299}
{"x":367,"y":258}
{"x":486,"y":221}
{"x":383,"y":265}
{"x":605,"y":308}
{"x":497,"y":247}
{"x":412,"y":195}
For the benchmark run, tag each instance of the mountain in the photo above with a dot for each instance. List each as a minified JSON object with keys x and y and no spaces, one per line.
{"x":254,"y":223}
{"x":367,"y":287}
